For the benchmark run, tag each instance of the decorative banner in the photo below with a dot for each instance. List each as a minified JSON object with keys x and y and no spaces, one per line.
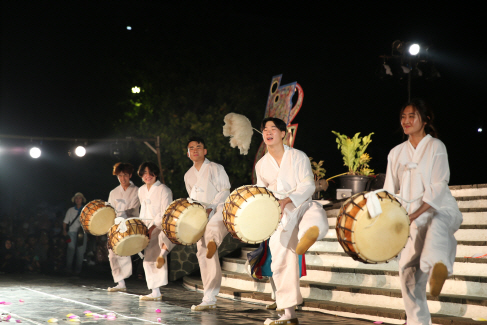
{"x":279,"y":104}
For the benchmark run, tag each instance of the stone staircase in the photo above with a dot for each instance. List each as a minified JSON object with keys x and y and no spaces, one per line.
{"x":338,"y":285}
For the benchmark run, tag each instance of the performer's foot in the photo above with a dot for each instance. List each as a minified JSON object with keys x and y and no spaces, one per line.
{"x":203,"y":306}
{"x":272,"y":306}
{"x":281,"y":321}
{"x":160,"y":261}
{"x":211,"y":249}
{"x":151,"y":297}
{"x":437,"y":279}
{"x":116,"y":288}
{"x":308,"y":239}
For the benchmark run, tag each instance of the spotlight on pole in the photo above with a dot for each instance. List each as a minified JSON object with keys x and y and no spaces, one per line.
{"x":35,"y":152}
{"x":414,"y":49}
{"x":135,"y":90}
{"x":80,"y":151}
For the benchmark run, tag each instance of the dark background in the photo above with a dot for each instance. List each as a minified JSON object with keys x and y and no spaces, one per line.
{"x":60,"y":64}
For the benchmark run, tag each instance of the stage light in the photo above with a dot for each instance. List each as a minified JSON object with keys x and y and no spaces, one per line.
{"x":80,"y":151}
{"x":35,"y":152}
{"x":479,"y":130}
{"x":129,"y":27}
{"x":135,"y":90}
{"x":414,"y":49}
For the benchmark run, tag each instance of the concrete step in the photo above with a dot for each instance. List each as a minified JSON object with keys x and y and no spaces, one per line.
{"x":469,"y":190}
{"x":381,"y":314}
{"x":379,"y":275}
{"x":373,"y":302}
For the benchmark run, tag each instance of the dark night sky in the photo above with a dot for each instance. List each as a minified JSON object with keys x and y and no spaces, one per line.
{"x":56,"y":80}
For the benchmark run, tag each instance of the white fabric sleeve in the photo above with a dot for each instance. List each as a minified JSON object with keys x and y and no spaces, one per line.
{"x":391,"y":182}
{"x":305,"y":182}
{"x":188,"y":188}
{"x":222,"y":184}
{"x":67,"y":218}
{"x":260,"y":182}
{"x":166,"y":199}
{"x":434,"y":192}
{"x":133,"y":207}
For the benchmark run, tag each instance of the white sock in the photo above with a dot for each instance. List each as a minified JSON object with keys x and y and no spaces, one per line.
{"x":289,"y":313}
{"x":121,"y":284}
{"x":155,"y":292}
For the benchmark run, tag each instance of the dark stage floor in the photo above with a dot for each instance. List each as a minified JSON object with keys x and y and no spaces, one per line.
{"x":47,"y":297}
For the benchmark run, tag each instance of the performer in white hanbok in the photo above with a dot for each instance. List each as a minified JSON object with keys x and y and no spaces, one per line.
{"x":207,"y":182}
{"x":418,"y":171}
{"x":124,"y":198}
{"x":287,"y":172}
{"x":154,"y":198}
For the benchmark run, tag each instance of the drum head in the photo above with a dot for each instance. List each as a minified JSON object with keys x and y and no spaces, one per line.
{"x":257,"y":219}
{"x":101,"y":221}
{"x":131,"y":245}
{"x":383,"y":237}
{"x":191,"y":225}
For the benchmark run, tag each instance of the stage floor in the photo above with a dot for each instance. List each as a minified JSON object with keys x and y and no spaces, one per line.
{"x":47,"y":297}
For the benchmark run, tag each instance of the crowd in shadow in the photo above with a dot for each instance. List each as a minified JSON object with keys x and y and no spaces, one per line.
{"x":36,"y":244}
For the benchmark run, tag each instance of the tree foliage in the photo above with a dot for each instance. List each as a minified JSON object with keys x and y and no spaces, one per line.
{"x":178,"y":101}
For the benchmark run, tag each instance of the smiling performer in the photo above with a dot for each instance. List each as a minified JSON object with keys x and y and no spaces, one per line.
{"x":418,"y":170}
{"x":125,"y":200}
{"x":154,"y":198}
{"x":287,"y":172}
{"x":207,"y":182}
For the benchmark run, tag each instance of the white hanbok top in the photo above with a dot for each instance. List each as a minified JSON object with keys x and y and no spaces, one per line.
{"x":126,"y":202}
{"x":153,"y":203}
{"x":209,"y":185}
{"x":293,"y":179}
{"x":422,"y":174}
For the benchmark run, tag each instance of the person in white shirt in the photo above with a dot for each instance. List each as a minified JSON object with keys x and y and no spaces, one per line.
{"x":208,"y":183}
{"x":154,"y":198}
{"x":71,"y":225}
{"x":287,"y":172}
{"x":418,"y":171}
{"x":124,"y":198}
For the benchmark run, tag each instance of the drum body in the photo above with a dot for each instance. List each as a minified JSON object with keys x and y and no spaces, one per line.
{"x":97,"y":217}
{"x":183,"y":222}
{"x":372,"y":240}
{"x":130,"y":242}
{"x":251,"y":214}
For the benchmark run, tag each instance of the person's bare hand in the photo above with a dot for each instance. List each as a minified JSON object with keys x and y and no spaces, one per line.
{"x":149,"y":232}
{"x":283,"y":204}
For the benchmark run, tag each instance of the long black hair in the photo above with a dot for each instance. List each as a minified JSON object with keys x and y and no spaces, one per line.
{"x":425,"y":113}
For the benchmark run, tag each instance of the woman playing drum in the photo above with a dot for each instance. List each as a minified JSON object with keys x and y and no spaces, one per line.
{"x":154,"y":198}
{"x":418,"y":170}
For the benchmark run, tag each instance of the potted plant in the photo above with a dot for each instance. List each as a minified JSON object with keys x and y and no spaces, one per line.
{"x":319,"y":173}
{"x":357,"y":161}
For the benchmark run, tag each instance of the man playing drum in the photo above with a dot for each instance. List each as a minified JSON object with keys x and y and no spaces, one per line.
{"x":124,"y":198}
{"x":287,"y":172}
{"x":154,"y":198}
{"x":207,"y":183}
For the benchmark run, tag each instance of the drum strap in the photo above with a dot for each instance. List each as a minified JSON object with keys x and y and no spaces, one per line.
{"x":373,"y":204}
{"x":122,"y":226}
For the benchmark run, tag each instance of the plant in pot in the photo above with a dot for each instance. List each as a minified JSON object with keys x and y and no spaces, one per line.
{"x":357,"y":161}
{"x":319,"y":173}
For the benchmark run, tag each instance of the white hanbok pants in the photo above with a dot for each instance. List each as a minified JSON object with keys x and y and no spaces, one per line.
{"x":156,"y":277}
{"x":285,"y":263}
{"x":211,"y":272}
{"x":121,"y":266}
{"x":431,"y":242}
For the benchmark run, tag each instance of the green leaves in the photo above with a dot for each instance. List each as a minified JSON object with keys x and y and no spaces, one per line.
{"x":353,"y":151}
{"x":318,"y":171}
